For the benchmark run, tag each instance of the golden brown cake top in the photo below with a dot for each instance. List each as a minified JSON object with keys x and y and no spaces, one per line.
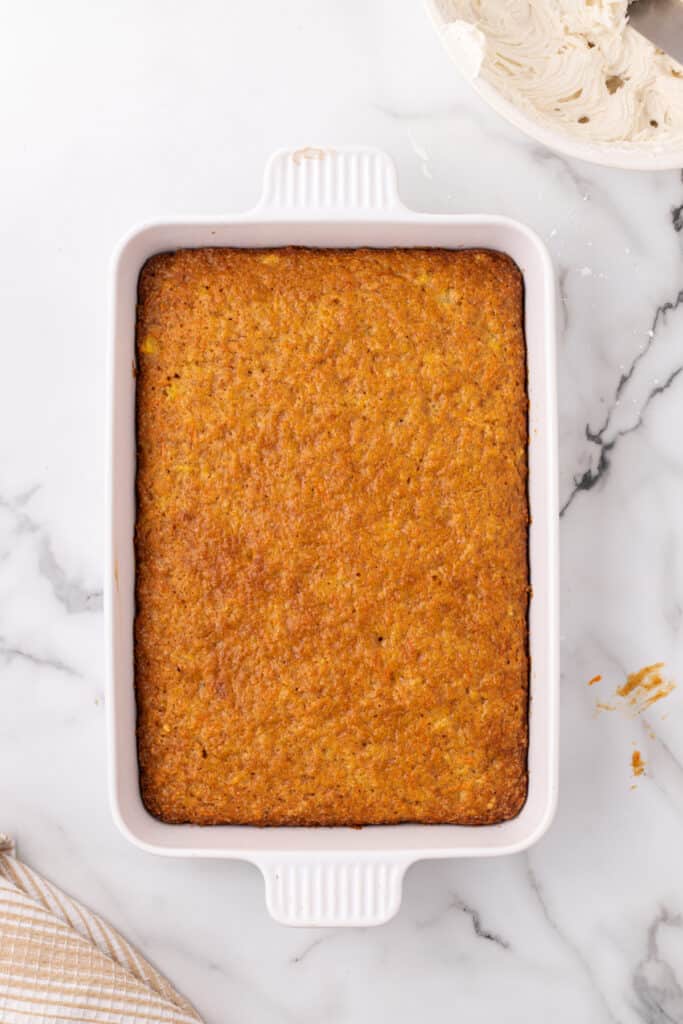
{"x":331,"y":538}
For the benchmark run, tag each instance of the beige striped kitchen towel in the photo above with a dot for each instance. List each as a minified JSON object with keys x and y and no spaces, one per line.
{"x":61,"y":962}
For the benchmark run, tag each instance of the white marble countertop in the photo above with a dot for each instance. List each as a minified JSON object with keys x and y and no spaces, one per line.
{"x":118,"y":112}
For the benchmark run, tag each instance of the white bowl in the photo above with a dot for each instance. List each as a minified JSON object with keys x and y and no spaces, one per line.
{"x":610,"y":154}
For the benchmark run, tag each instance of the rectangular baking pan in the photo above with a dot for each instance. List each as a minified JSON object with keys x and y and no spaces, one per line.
{"x":335,"y":876}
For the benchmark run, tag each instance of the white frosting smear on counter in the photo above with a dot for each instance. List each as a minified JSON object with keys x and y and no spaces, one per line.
{"x":572,"y":64}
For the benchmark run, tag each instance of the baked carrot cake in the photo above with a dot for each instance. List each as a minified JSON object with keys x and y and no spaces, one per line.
{"x":331,"y":539}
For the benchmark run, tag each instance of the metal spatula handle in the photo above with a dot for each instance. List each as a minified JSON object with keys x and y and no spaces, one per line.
{"x":661,"y":21}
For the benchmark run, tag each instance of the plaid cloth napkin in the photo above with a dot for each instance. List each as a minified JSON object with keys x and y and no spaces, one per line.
{"x":60,"y":962}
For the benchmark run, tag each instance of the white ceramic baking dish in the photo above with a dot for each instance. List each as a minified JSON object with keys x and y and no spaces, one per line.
{"x":335,"y":876}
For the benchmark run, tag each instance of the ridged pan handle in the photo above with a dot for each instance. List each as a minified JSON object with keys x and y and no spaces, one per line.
{"x":329,"y":183}
{"x":323,"y":891}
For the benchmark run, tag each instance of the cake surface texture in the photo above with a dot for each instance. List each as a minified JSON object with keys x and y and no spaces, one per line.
{"x":331,"y":540}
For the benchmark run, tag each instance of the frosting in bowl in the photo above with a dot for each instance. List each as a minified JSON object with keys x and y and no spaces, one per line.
{"x":571,"y":64}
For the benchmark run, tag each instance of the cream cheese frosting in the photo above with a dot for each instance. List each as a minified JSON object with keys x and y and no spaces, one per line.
{"x":572,"y":64}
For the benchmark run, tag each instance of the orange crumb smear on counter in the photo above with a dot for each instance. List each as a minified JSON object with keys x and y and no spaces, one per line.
{"x":646,"y":687}
{"x":331,"y":539}
{"x":641,"y":690}
{"x":637,"y":763}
